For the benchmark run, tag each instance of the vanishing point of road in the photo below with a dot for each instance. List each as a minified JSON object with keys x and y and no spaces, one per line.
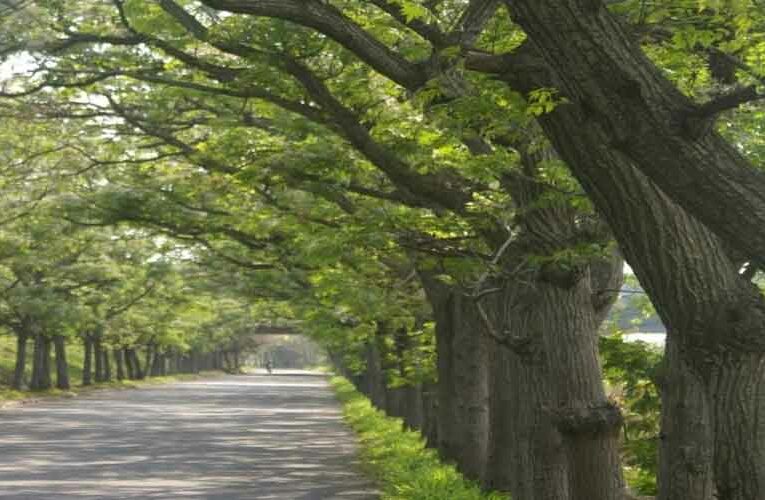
{"x":228,"y":438}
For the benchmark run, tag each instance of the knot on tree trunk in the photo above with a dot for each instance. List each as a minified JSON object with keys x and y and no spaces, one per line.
{"x":594,"y":420}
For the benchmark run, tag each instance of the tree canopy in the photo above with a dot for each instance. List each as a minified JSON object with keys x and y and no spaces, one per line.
{"x":428,"y":188}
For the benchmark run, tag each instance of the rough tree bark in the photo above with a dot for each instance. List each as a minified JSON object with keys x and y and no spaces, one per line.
{"x":21,"y":361}
{"x":46,"y":381}
{"x":41,"y":379}
{"x":98,"y":356}
{"x":375,"y":374}
{"x":156,"y":364}
{"x":134,"y":363}
{"x":87,"y":360}
{"x":148,"y":363}
{"x":462,"y":357}
{"x":119,"y":361}
{"x":106,"y":364}
{"x":715,"y":317}
{"x":686,"y":441}
{"x":646,"y":118}
{"x":62,"y":367}
{"x":430,"y":414}
{"x":553,"y":433}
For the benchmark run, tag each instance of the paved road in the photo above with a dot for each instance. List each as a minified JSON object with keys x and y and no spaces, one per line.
{"x":233,"y":438}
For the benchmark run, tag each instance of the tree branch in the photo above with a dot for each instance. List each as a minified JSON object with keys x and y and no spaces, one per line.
{"x":427,"y":31}
{"x":328,"y":20}
{"x":731,"y":100}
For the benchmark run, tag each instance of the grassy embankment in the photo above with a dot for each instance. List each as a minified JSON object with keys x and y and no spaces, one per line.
{"x":74,"y":355}
{"x":398,"y":459}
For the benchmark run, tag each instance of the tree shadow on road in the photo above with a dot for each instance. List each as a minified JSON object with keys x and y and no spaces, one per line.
{"x":251,"y":437}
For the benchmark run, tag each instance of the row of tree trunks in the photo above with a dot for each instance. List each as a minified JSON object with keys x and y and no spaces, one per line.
{"x":527,"y":414}
{"x":462,"y":388}
{"x":713,"y":316}
{"x":133,"y":364}
{"x":41,"y":363}
{"x":97,"y":362}
{"x":712,"y":440}
{"x":414,"y":404}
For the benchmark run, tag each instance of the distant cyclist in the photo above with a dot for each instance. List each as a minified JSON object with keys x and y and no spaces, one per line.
{"x":269,"y":366}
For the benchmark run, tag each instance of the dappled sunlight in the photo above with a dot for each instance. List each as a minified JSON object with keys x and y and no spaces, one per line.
{"x":233,"y":438}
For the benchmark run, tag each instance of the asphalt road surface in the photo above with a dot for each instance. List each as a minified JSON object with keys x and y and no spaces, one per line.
{"x":228,"y":438}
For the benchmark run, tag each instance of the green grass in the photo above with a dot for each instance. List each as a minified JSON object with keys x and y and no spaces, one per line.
{"x":398,"y":459}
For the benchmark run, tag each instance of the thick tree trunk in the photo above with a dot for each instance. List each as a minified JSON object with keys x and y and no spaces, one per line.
{"x":87,"y":361}
{"x":705,"y":297}
{"x":46,"y":365}
{"x":98,"y":356}
{"x":21,"y":362}
{"x":129,"y":368}
{"x":471,"y":380}
{"x":717,"y":321}
{"x":41,"y":379}
{"x":149,"y":361}
{"x":430,"y":412}
{"x":670,"y":139}
{"x":715,"y":317}
{"x":686,"y":442}
{"x":37,"y":363}
{"x":446,"y":418}
{"x":413,"y":406}
{"x":135,"y":363}
{"x":375,"y":375}
{"x":404,"y":401}
{"x":156,"y":361}
{"x":510,"y":463}
{"x":62,"y":367}
{"x":553,"y":433}
{"x":588,"y":424}
{"x":394,"y":402}
{"x":163,"y":365}
{"x":119,"y":362}
{"x":107,"y":365}
{"x":462,"y":359}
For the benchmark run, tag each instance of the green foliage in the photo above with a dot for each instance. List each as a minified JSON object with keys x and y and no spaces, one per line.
{"x":631,"y":368}
{"x":220,"y":184}
{"x":405,"y":469}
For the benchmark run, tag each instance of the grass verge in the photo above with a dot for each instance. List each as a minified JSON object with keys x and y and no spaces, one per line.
{"x":10,"y":397}
{"x":398,"y":459}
